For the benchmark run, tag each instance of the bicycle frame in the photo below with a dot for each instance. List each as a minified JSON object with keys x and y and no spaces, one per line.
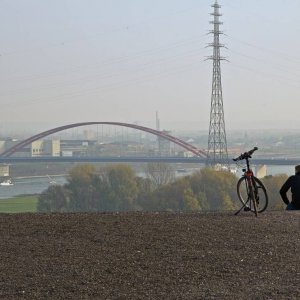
{"x":250,"y":188}
{"x":252,"y":192}
{"x":248,"y":173}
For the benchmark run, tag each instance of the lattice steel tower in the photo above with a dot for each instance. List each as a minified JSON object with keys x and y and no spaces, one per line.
{"x":217,"y":144}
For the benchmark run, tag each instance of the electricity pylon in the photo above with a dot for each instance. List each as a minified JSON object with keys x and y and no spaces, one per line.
{"x":217,"y":144}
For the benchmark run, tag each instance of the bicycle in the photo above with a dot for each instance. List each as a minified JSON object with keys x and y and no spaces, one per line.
{"x":251,"y":191}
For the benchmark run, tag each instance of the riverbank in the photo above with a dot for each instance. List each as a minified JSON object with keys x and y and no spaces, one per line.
{"x":150,"y":256}
{"x":19,"y":204}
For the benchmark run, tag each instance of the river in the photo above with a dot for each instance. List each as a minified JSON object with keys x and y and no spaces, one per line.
{"x":29,"y":185}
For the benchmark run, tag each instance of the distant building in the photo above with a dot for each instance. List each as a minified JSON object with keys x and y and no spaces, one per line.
{"x":187,"y":154}
{"x":164,"y":145}
{"x":2,"y":146}
{"x":261,"y":171}
{"x":4,"y":170}
{"x":52,"y":148}
{"x":89,"y":134}
{"x":75,"y":147}
{"x":45,"y":148}
{"x":35,"y":149}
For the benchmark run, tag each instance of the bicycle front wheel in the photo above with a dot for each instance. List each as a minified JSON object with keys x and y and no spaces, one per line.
{"x":259,"y":192}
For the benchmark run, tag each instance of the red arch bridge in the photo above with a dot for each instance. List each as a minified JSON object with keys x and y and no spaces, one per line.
{"x":199,"y":153}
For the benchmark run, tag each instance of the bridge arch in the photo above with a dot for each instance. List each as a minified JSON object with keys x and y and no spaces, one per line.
{"x":183,"y":144}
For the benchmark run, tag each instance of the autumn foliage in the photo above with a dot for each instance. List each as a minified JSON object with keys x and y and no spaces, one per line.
{"x":117,"y":188}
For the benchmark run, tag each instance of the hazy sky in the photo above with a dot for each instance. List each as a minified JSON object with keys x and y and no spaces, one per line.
{"x":65,"y":61}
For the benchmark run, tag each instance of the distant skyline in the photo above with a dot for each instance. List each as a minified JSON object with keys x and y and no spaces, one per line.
{"x":68,"y":61}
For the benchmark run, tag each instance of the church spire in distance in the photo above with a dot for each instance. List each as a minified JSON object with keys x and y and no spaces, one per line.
{"x":217,"y":143}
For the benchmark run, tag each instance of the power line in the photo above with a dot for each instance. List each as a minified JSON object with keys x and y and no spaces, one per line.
{"x":267,"y":50}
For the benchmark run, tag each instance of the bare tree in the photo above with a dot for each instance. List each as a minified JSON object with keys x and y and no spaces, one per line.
{"x":159,"y":173}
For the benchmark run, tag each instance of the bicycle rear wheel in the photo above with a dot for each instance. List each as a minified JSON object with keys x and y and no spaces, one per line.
{"x":259,"y":191}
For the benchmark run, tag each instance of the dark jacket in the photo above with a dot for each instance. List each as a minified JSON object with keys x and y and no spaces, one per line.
{"x":293,"y":183}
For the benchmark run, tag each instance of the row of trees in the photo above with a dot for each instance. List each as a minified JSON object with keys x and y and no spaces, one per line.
{"x":117,"y":188}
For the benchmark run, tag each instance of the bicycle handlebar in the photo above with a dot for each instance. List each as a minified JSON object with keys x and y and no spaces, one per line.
{"x":245,"y":155}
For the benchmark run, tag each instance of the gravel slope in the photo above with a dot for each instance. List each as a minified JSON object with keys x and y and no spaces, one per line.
{"x":150,"y":256}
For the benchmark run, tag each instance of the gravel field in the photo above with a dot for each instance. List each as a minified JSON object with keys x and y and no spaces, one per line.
{"x":150,"y":256}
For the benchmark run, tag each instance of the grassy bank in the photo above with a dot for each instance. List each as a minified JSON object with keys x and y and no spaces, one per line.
{"x":20,"y":204}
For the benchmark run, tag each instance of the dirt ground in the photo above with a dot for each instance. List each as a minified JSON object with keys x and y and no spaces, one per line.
{"x":150,"y":256}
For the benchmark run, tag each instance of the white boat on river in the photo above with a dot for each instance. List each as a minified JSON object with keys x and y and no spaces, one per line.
{"x":6,"y":182}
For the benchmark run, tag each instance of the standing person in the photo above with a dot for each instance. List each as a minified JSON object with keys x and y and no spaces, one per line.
{"x":293,"y":183}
